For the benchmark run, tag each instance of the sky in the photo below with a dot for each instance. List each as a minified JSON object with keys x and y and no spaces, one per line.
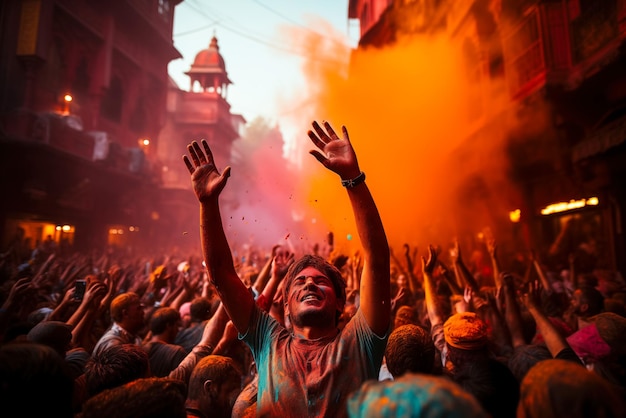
{"x":262,"y":60}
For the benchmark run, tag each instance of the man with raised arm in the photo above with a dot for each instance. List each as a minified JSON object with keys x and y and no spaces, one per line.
{"x":310,"y":368}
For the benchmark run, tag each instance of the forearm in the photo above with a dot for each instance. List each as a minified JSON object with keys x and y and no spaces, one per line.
{"x":263,"y":276}
{"x":465,"y":275}
{"x":496,"y":271}
{"x":554,"y":341}
{"x":432,"y":306}
{"x":374,"y":286}
{"x":513,"y":318}
{"x":542,"y":276}
{"x":220,"y":267}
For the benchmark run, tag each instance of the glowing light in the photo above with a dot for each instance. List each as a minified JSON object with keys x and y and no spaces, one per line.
{"x":571,"y":205}
{"x":113,"y":231}
{"x":131,"y":228}
{"x":58,"y":227}
{"x":145,"y":142}
{"x":68,"y":98}
{"x":515,"y":215}
{"x":66,"y":228}
{"x":480,"y":236}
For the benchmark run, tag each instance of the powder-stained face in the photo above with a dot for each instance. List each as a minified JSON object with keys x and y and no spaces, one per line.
{"x":312,"y":300}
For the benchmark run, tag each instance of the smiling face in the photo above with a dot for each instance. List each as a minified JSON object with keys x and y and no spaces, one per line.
{"x":312,"y":301}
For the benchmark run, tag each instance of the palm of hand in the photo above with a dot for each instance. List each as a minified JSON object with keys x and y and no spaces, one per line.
{"x":206,"y":182}
{"x":339,"y":155}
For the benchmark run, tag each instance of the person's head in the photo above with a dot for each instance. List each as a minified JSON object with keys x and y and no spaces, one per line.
{"x":559,"y":388}
{"x":466,"y":338}
{"x":526,"y":356}
{"x":165,"y":322}
{"x":200,"y":309}
{"x":410,"y":348}
{"x":402,"y":281}
{"x":314,"y":293}
{"x":492,"y":384}
{"x":128,"y":311}
{"x":214,"y":386}
{"x":55,"y":334}
{"x":114,"y":366}
{"x":154,"y":397}
{"x":413,"y":395}
{"x":587,"y":302}
{"x":34,"y":381}
{"x":405,"y":315}
{"x":185,"y":314}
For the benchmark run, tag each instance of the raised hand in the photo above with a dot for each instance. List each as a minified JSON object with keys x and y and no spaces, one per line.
{"x":492,"y":247}
{"x":334,"y":153}
{"x":208,"y":183}
{"x":532,"y":297}
{"x":428,"y":266}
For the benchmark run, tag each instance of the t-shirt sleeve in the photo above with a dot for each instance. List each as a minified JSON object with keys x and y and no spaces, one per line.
{"x":260,"y":332}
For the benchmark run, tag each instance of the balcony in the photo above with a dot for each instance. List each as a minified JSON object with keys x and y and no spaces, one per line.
{"x":557,"y":45}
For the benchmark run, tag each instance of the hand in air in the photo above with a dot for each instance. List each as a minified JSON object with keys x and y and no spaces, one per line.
{"x":334,"y":153}
{"x":207,"y":182}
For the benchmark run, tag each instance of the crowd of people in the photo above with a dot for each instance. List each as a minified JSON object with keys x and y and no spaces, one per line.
{"x":289,"y":332}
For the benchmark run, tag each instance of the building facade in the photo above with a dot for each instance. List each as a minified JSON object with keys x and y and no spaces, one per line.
{"x":83,"y":89}
{"x":202,"y":112}
{"x":568,"y":55}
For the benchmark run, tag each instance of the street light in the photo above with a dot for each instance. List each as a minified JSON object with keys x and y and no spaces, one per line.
{"x":67,"y":99}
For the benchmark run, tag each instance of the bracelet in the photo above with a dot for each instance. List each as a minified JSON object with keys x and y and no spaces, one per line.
{"x":348,"y":184}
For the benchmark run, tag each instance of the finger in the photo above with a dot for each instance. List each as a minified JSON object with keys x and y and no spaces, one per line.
{"x":188,"y":164}
{"x":323,"y":136}
{"x":331,"y":131}
{"x":346,"y":137}
{"x":318,"y":155}
{"x":318,"y":143}
{"x":193,"y":154}
{"x":208,"y":152}
{"x":199,"y":152}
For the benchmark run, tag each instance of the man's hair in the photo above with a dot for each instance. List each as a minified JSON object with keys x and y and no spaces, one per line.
{"x":200,"y":309}
{"x":114,"y":366}
{"x":162,"y":318}
{"x":526,"y":356}
{"x":492,"y":384}
{"x":35,"y":381}
{"x":594,"y":300}
{"x":459,"y":357}
{"x":154,"y":397}
{"x":122,"y":302}
{"x":218,"y":369}
{"x":323,"y":266}
{"x":410,"y":349}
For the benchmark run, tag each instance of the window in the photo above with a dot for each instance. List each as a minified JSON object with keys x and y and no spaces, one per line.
{"x":111,"y":106}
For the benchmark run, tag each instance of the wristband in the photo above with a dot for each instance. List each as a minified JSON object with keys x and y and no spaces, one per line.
{"x":348,"y":184}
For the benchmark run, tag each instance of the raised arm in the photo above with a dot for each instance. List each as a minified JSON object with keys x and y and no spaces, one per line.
{"x":462,"y":271}
{"x":554,"y":340}
{"x":435,"y":313}
{"x":208,"y":183}
{"x":337,"y":155}
{"x":492,"y":248}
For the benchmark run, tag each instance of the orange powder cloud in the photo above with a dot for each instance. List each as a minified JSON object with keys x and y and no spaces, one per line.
{"x":413,"y":111}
